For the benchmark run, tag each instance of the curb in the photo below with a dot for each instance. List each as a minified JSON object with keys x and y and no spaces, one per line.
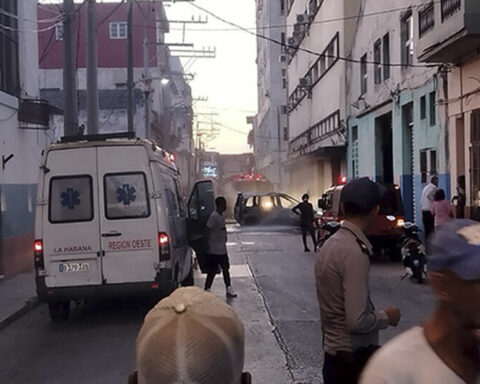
{"x":29,"y":306}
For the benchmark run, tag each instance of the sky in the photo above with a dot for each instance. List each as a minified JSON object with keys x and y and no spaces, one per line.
{"x":228,"y":81}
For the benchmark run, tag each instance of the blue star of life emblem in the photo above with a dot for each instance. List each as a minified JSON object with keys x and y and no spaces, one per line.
{"x":126,"y":194}
{"x":70,"y":198}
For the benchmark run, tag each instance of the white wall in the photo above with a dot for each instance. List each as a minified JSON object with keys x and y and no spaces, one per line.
{"x":269,"y":153}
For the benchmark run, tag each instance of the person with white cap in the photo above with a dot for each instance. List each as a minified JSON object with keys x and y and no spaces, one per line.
{"x":446,"y":350}
{"x":191,"y":337}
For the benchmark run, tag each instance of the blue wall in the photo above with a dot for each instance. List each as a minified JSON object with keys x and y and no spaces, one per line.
{"x":425,"y":136}
{"x":17,"y":209}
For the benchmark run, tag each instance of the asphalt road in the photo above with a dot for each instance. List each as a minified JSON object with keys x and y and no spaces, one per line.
{"x":276,"y":302}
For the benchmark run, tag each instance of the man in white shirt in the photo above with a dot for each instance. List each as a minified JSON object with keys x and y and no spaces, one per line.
{"x":428,"y":197}
{"x":217,"y":256}
{"x":446,"y":350}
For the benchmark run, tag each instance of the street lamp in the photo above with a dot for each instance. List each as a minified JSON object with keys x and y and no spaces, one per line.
{"x":165,"y":81}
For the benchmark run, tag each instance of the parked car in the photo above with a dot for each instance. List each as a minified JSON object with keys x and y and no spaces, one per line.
{"x":387,"y":229}
{"x":110,"y":222}
{"x":265,"y":208}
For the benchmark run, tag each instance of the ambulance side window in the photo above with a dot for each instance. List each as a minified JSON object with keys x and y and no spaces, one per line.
{"x":181,"y":204}
{"x":71,"y":199}
{"x":171,"y":196}
{"x":126,"y":196}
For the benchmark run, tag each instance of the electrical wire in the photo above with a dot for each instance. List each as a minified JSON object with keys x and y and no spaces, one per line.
{"x":345,"y":59}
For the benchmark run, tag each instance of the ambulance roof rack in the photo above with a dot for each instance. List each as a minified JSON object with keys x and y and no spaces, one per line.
{"x":99,"y":137}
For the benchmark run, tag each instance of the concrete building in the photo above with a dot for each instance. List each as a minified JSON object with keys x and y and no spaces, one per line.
{"x":271,"y":127}
{"x":397,"y":130}
{"x":170,"y":113}
{"x":451,"y":35}
{"x":316,"y":105}
{"x":23,"y":120}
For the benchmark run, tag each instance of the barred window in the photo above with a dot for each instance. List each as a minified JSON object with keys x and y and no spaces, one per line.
{"x":9,"y":67}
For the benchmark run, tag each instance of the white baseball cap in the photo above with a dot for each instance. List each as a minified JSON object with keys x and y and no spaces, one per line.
{"x":191,"y":337}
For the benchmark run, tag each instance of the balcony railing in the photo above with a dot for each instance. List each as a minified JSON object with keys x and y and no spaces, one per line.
{"x":450,"y":7}
{"x":427,"y":19}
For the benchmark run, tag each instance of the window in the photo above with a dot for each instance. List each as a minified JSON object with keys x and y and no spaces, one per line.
{"x":433,"y":109}
{"x":428,"y":164}
{"x":118,"y":30}
{"x":377,"y":57}
{"x":59,"y":32}
{"x":355,"y":159}
{"x":407,"y":40}
{"x":121,"y":85}
{"x":363,"y":75}
{"x":9,"y":67}
{"x":282,"y":7}
{"x":126,"y":196}
{"x":71,"y":199}
{"x":323,"y":64}
{"x":386,"y":57}
{"x":331,"y":54}
{"x":423,"y":108}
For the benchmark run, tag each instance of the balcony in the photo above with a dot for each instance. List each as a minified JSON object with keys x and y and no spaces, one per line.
{"x":324,"y":136}
{"x":449,"y":31}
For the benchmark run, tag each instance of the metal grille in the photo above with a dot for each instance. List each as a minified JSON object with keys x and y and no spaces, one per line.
{"x":450,"y":7}
{"x":427,"y":19}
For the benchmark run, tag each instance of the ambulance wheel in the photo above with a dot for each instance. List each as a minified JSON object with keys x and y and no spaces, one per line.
{"x":59,"y":311}
{"x":189,"y":280}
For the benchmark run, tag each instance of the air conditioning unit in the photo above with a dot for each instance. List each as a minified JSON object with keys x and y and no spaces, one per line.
{"x":293,"y":42}
{"x":299,"y":35}
{"x":312,"y":8}
{"x":298,"y":28}
{"x":283,"y":58}
{"x":302,"y":18}
{"x":305,"y":82}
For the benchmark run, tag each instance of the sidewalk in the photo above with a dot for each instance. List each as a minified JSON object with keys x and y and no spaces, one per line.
{"x":264,"y":356}
{"x":17,"y":297}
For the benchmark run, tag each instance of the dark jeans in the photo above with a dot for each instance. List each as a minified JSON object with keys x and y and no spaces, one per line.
{"x":428,"y":223}
{"x":311,"y":230}
{"x":346,"y":367}
{"x":215,"y":261}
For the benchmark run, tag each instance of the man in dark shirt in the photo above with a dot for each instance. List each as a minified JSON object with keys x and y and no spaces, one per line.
{"x":307,"y":220}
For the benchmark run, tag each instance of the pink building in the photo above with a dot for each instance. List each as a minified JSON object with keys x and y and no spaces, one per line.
{"x":112,"y":34}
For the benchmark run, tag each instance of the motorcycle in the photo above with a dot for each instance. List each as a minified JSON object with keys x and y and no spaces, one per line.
{"x":328,"y":229}
{"x":413,"y":254}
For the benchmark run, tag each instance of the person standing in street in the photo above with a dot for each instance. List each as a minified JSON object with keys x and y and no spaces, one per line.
{"x":307,"y":221}
{"x":442,"y":210}
{"x":446,"y":350}
{"x":350,"y":322}
{"x":426,"y":201}
{"x":217,"y":256}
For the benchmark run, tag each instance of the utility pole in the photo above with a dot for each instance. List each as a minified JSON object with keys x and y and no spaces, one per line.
{"x":92,"y":81}
{"x":146,"y":72}
{"x":130,"y":65}
{"x":69,"y":70}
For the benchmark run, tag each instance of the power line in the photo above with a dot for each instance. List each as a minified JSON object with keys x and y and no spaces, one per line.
{"x":346,"y":59}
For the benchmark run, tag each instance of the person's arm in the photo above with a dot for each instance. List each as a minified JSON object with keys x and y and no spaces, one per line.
{"x":432,"y":209}
{"x":360,"y":318}
{"x":208,"y":230}
{"x":451,"y":211}
{"x":296,"y":210}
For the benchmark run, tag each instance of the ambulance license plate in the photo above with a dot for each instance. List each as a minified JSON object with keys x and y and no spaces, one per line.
{"x":73,"y":267}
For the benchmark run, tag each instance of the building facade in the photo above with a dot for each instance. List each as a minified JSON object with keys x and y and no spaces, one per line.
{"x":451,"y":35}
{"x":23,"y":120}
{"x":316,"y":108}
{"x":271,"y":127}
{"x":169,"y":95}
{"x":397,"y":128}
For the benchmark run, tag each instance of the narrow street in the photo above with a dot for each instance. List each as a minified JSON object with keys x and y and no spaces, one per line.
{"x":276,"y":302}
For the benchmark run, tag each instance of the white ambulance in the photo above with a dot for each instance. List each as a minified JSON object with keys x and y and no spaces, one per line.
{"x":110,"y":221}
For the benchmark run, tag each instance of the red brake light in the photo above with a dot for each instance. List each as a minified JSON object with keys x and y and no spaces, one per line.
{"x":163,"y":239}
{"x":38,"y":246}
{"x":164,"y":246}
{"x":342,"y":180}
{"x":38,"y":254}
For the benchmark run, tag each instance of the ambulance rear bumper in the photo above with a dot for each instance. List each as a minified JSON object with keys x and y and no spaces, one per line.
{"x":162,"y":286}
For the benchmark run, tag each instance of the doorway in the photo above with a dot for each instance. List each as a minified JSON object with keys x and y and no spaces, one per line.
{"x":475,"y":165}
{"x":384,"y":149}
